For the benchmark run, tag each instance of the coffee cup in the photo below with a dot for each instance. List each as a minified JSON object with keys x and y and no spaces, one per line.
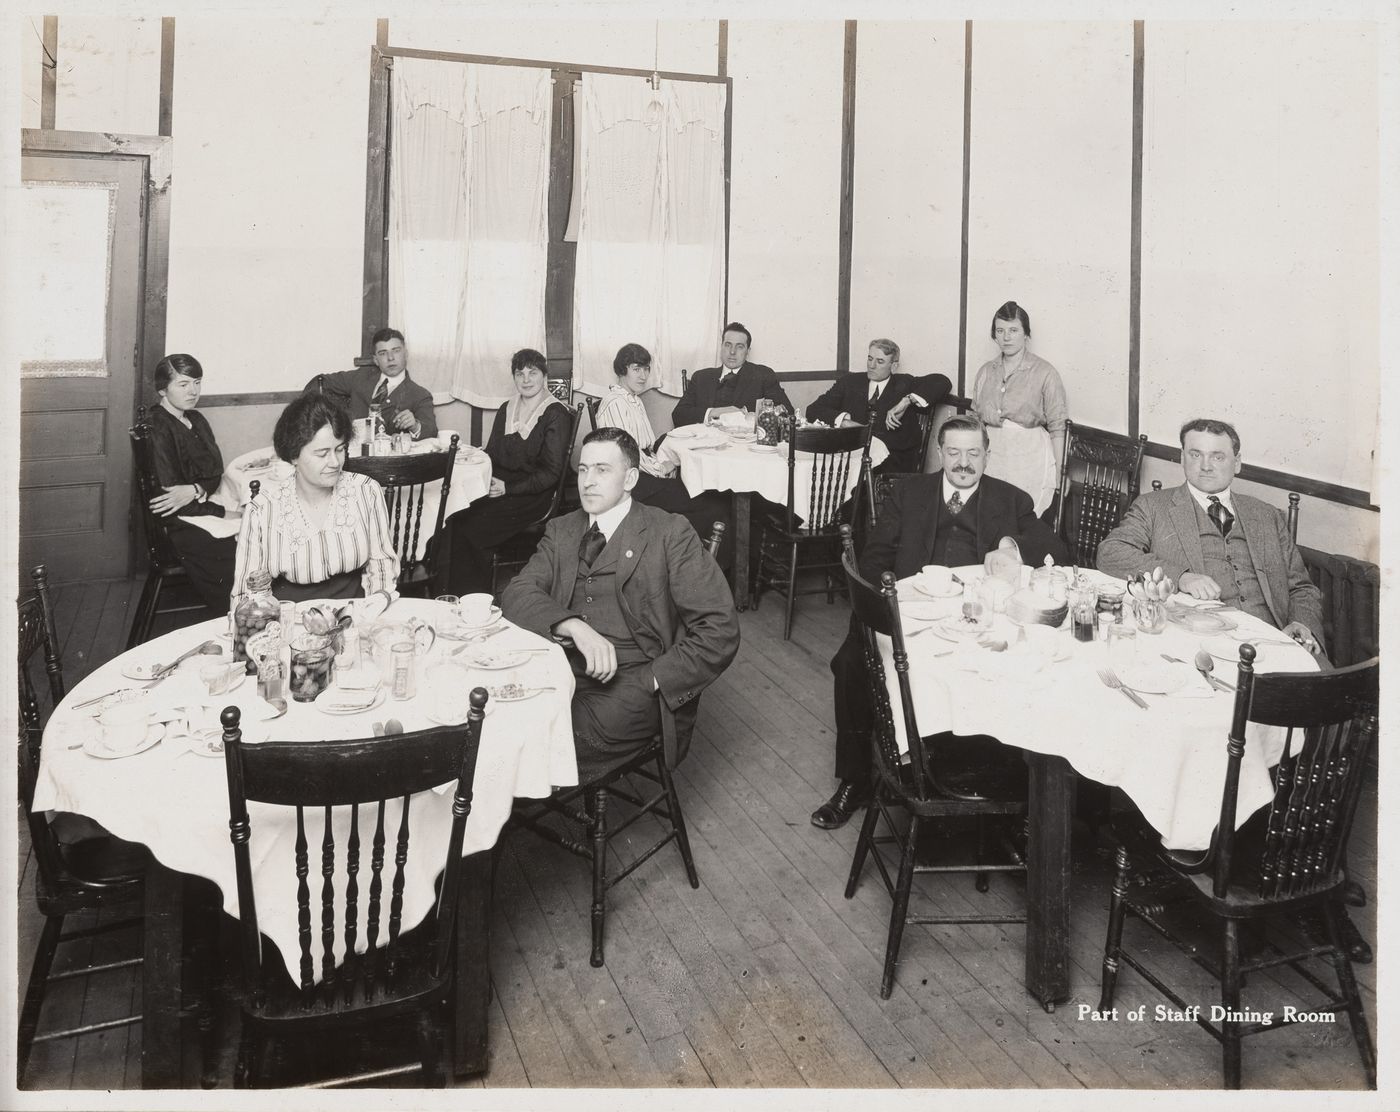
{"x":936,"y":579}
{"x":124,"y":726}
{"x":475,"y":609}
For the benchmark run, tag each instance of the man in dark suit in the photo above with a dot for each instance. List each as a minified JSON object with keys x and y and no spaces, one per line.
{"x":644,"y":610}
{"x":738,"y":384}
{"x":855,"y":399}
{"x":406,"y":406}
{"x":952,"y":518}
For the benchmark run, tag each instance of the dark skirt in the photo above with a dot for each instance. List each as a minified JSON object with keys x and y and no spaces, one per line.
{"x":476,"y":532}
{"x":665,"y":494}
{"x":348,"y":584}
{"x":208,"y":560}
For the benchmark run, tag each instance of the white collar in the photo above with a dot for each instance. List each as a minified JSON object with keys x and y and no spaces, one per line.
{"x":609,"y":520}
{"x":1203,"y":499}
{"x":948,"y":489}
{"x":869,"y":382}
{"x":725,"y":372}
{"x":392,"y":384}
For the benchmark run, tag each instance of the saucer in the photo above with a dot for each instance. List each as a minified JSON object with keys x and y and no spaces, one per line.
{"x":685,"y":432}
{"x":921,"y":611}
{"x":455,"y":629}
{"x":95,"y":746}
{"x":762,"y":447}
{"x":952,"y":592}
{"x":339,"y":704}
{"x":958,"y":630}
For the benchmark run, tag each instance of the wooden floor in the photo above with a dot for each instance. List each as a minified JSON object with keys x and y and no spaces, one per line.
{"x":765,"y":976}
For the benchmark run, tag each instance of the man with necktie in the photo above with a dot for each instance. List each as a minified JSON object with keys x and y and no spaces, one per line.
{"x":953,"y":517}
{"x":406,"y":406}
{"x":736,"y":384}
{"x":644,"y":611}
{"x":882,"y":395}
{"x":1219,"y":544}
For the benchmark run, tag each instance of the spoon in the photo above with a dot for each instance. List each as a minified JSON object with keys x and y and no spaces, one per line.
{"x":1205,"y":665}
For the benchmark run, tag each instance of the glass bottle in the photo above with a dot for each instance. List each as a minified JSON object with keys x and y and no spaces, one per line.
{"x":256,"y":607}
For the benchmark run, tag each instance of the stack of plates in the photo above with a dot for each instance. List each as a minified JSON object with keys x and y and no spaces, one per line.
{"x":1025,"y":607}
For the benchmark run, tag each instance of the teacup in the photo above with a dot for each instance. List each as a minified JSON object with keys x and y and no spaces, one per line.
{"x":124,"y":725}
{"x":936,"y":579}
{"x":475,"y":609}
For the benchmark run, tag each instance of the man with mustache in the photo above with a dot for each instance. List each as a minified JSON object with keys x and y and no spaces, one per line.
{"x":952,"y":518}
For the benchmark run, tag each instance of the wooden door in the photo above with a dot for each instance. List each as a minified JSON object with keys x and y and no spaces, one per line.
{"x":81,"y":291}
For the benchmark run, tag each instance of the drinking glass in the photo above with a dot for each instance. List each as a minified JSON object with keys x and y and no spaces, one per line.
{"x":313,"y":664}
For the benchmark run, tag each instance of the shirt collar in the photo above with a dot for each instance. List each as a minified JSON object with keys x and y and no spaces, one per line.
{"x":1203,"y":499}
{"x":392,"y":384}
{"x":609,"y":520}
{"x":948,"y":489}
{"x":725,"y":372}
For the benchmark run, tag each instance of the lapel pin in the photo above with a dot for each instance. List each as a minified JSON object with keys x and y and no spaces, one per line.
{"x":628,"y":554}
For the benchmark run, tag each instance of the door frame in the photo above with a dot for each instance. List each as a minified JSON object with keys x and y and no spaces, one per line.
{"x":153,"y":281}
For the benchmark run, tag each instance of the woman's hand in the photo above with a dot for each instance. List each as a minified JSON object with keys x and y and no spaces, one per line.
{"x":496,"y":489}
{"x":174,"y":499}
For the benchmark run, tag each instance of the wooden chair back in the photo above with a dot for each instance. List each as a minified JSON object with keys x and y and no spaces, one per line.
{"x":831,"y":451}
{"x":37,"y":631}
{"x":1293,"y":500}
{"x":565,"y":473}
{"x":715,"y":539}
{"x":404,"y":479}
{"x":368,"y":785}
{"x":159,"y":548}
{"x":593,"y":405}
{"x":1331,"y":722}
{"x":1099,"y":476}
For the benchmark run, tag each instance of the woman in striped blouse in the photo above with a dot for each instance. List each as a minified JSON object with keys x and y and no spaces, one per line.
{"x":322,"y":532}
{"x":622,"y":408}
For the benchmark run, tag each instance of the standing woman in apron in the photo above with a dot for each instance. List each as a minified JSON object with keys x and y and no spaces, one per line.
{"x":1021,"y":400}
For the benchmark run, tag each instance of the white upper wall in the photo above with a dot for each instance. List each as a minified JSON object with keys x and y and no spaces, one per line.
{"x":108,"y":75}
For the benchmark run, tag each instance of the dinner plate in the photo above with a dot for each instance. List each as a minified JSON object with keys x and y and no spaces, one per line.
{"x":953,"y":590}
{"x":495,"y":660}
{"x":766,"y":448}
{"x":1152,"y":677}
{"x":262,"y":463}
{"x":145,"y":670}
{"x":955,"y":628}
{"x":95,"y":746}
{"x":441,"y":720}
{"x":125,"y":695}
{"x":744,"y":437}
{"x":685,"y":432}
{"x":922,"y":611}
{"x":338,"y":703}
{"x":207,"y":743}
{"x":512,"y":693}
{"x":455,"y":629}
{"x":1199,"y":621}
{"x":1269,"y":654}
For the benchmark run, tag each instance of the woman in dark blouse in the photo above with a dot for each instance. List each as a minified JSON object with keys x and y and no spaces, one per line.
{"x":529,"y":450}
{"x":190,"y":467}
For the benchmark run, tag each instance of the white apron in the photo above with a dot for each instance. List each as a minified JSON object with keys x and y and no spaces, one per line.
{"x":1025,"y":458}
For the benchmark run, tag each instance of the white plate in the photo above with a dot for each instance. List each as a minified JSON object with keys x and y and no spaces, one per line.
{"x":685,"y":432}
{"x":496,"y":696}
{"x":921,"y":610}
{"x":343,"y":709}
{"x":1152,"y":677}
{"x":954,"y":629}
{"x":496,"y":661}
{"x":125,"y":695}
{"x":211,"y":746}
{"x":144,"y":670}
{"x":94,"y":746}
{"x":1270,"y":655}
{"x":454,"y":629}
{"x":437,"y":720}
{"x":1199,"y":621}
{"x":765,"y":448}
{"x":952,"y":592}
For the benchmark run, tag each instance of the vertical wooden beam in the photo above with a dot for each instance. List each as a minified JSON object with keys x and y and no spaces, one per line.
{"x":848,"y":169}
{"x":723,"y":69}
{"x":722,"y":66}
{"x":48,"y":88}
{"x":381,"y":34}
{"x":374,"y":305}
{"x":156,"y":295}
{"x":562,"y":259}
{"x":167,"y":75}
{"x":966,"y":206}
{"x":1135,"y":241}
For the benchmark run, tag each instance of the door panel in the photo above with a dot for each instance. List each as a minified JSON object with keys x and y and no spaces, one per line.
{"x":81,"y":250}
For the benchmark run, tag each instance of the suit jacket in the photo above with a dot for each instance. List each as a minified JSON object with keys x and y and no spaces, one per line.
{"x":1161,"y":530}
{"x":355,"y":389}
{"x":904,"y":537}
{"x":850,"y":394}
{"x":672,"y":594}
{"x":755,"y":381}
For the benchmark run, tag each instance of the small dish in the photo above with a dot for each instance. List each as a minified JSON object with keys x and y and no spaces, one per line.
{"x":495,"y":661}
{"x":921,"y":611}
{"x":685,"y":432}
{"x":455,"y":629}
{"x":444,"y":720}
{"x":95,"y":746}
{"x":338,"y":702}
{"x":959,"y":630}
{"x":512,"y":693}
{"x":952,"y":592}
{"x":765,"y":448}
{"x":1199,"y":621}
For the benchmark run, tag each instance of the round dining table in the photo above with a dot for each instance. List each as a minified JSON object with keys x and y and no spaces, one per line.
{"x":172,"y":797}
{"x":471,"y":479}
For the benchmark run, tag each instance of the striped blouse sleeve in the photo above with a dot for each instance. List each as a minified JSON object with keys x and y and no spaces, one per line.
{"x":252,"y":544}
{"x":381,"y":571}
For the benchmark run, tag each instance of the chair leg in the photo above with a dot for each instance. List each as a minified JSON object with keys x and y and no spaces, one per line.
{"x":673,"y":804}
{"x":245,"y":1069}
{"x":145,"y":610}
{"x":901,"y":907}
{"x":760,"y":575}
{"x":863,"y":844}
{"x":430,"y":1029}
{"x":597,"y":808}
{"x":983,"y":882}
{"x":1346,"y":980}
{"x":1230,"y":998}
{"x":791,"y":591}
{"x":1113,"y":944}
{"x":34,"y":993}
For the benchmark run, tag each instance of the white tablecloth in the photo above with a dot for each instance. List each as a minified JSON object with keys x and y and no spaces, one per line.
{"x":175,"y":802}
{"x":711,"y":460}
{"x":471,"y":478}
{"x":1169,"y":759}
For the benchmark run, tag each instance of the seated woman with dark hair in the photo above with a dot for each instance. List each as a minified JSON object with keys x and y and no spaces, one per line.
{"x":529,"y":449}
{"x":322,"y":532}
{"x":658,"y":483}
{"x":190,"y":467}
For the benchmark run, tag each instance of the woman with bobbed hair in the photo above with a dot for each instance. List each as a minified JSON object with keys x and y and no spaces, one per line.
{"x":190,"y":467}
{"x":1021,"y":400}
{"x":657,"y":484}
{"x":322,"y":532}
{"x":529,"y":449}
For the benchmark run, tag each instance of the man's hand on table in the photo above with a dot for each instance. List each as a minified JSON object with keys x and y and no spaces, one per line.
{"x":1199,"y":586}
{"x":1304,"y":636}
{"x":720,"y":411}
{"x":405,"y":420}
{"x":599,"y":656}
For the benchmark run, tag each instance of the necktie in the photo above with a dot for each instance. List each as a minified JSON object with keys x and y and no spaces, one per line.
{"x":1222,"y":517}
{"x":381,"y":396}
{"x":874,"y":395}
{"x":591,"y":545}
{"x":955,"y":503}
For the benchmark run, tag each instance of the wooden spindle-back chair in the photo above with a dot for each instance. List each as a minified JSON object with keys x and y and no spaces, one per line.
{"x":364,"y":788}
{"x":1099,"y":476}
{"x":1286,"y":860}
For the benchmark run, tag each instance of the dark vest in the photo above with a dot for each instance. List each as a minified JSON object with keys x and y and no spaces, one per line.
{"x":1228,"y":562}
{"x":727,"y":389}
{"x":956,"y":542}
{"x":595,"y":600}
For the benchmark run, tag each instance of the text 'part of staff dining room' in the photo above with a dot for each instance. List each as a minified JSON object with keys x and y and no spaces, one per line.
{"x":623,"y":554}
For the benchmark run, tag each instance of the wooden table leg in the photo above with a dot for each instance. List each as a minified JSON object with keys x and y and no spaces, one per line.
{"x":743,"y":510}
{"x":1048,"y":878}
{"x":162,"y":1063}
{"x":472,"y":992}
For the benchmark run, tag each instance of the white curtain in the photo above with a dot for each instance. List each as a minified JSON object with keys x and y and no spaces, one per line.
{"x":650,"y":263}
{"x":468,"y":232}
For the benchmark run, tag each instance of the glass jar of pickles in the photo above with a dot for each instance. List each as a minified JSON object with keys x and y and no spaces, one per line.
{"x":255,"y":609}
{"x":313,"y":665}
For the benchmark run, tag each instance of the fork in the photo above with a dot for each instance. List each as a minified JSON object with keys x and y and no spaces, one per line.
{"x":1110,"y":678}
